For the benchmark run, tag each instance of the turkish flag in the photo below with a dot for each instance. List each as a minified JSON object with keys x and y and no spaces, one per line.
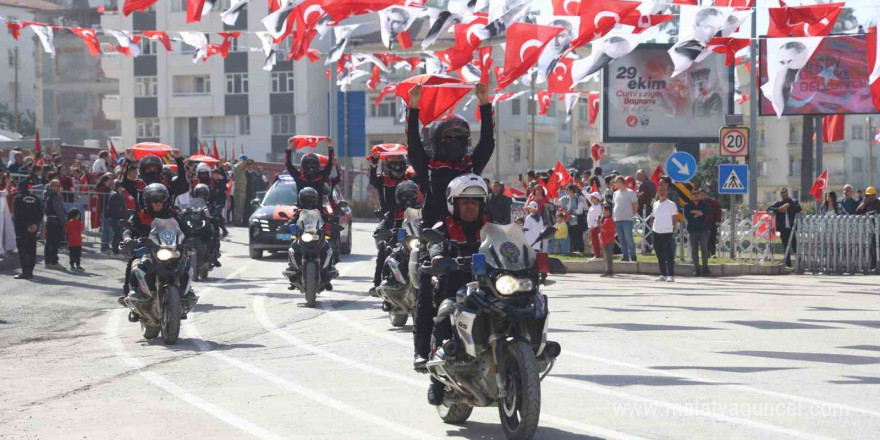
{"x":832,"y":128}
{"x":558,"y":179}
{"x":598,"y":17}
{"x":525,"y":42}
{"x":818,"y":190}
{"x":216,"y":154}
{"x":457,"y":56}
{"x":201,"y":149}
{"x":657,"y":174}
{"x":544,"y":102}
{"x":566,"y":7}
{"x":484,"y":63}
{"x":387,"y":150}
{"x":113,"y":153}
{"x":159,"y":36}
{"x":597,"y":152}
{"x":594,"y":107}
{"x":641,"y":23}
{"x":89,"y":37}
{"x":196,"y":8}
{"x":37,"y":147}
{"x":136,"y":5}
{"x":440,"y":93}
{"x":307,"y":141}
{"x":14,"y":29}
{"x":274,"y":5}
{"x":874,"y":61}
{"x":728,"y":46}
{"x":390,"y":88}
{"x":739,"y":4}
{"x":375,"y":79}
{"x":560,"y":80}
{"x":803,"y":21}
{"x":341,"y":9}
{"x":466,"y":34}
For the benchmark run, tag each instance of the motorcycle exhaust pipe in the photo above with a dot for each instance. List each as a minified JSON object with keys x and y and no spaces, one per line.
{"x":189,"y":280}
{"x":552,"y":349}
{"x":450,"y":349}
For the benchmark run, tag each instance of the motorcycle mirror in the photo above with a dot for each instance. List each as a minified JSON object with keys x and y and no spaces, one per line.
{"x":342,"y":204}
{"x":542,"y":262}
{"x":292,"y":229}
{"x":432,"y":236}
{"x":401,"y":235}
{"x":255,"y":203}
{"x":478,"y":264}
{"x":440,"y":267}
{"x":556,"y":267}
{"x":378,"y":214}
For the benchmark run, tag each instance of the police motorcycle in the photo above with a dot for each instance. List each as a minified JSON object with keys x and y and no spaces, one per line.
{"x":499,"y":352}
{"x":310,"y":255}
{"x":202,"y":244}
{"x":400,"y":277}
{"x":164,"y":275}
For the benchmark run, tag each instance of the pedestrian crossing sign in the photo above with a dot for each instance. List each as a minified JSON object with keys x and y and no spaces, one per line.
{"x":733,"y":179}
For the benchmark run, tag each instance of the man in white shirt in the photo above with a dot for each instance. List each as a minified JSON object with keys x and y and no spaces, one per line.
{"x":626,"y":204}
{"x":665,"y":221}
{"x":100,"y":165}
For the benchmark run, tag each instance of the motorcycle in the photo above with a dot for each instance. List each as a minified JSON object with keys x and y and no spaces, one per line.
{"x":164,"y":274}
{"x":200,"y":245}
{"x":499,"y":352}
{"x":400,"y":269}
{"x":310,"y":255}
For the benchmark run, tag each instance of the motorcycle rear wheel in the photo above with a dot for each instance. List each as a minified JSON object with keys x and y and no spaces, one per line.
{"x":521,"y":409}
{"x":149,"y":332}
{"x":455,"y":414}
{"x":170,"y":318}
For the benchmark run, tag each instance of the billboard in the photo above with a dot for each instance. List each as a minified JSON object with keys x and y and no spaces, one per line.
{"x":643,"y":103}
{"x":834,"y":81}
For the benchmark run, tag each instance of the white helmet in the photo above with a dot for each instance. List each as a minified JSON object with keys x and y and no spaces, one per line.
{"x":203,"y":168}
{"x":465,"y":186}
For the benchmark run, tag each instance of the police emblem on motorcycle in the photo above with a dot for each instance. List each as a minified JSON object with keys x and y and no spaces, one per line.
{"x":167,"y":236}
{"x":509,"y":252}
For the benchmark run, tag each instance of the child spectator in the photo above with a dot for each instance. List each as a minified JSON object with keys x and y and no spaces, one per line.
{"x":594,"y":219}
{"x":74,"y":228}
{"x":533,"y":226}
{"x":561,"y":242}
{"x":607,"y":238}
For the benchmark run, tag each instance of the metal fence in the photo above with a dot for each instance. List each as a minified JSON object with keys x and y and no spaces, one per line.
{"x":836,"y":244}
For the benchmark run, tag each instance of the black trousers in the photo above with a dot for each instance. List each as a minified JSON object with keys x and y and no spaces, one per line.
{"x":380,"y":262}
{"x":449,"y":285}
{"x":75,"y":255}
{"x":713,"y":239}
{"x":665,"y":250}
{"x":27,"y":252}
{"x":423,"y":324}
{"x":786,"y":236}
{"x":576,"y":233}
{"x":54,"y":231}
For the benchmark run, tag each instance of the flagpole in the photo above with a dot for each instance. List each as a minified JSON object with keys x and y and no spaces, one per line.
{"x":753,"y":116}
{"x":819,"y":134}
{"x":533,"y":110}
{"x":870,"y":151}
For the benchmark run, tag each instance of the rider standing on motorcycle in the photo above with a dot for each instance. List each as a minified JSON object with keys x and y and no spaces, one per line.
{"x":465,"y":202}
{"x":309,"y":199}
{"x":155,"y":197}
{"x":393,"y":173}
{"x":149,"y":172}
{"x":449,"y":143}
{"x":201,"y":191}
{"x":216,"y":181}
{"x":311,"y":175}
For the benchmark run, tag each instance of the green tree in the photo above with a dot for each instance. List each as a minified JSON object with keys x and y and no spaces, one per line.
{"x":707,"y":174}
{"x":26,"y":121}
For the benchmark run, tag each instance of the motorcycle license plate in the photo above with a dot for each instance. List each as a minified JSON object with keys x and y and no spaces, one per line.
{"x":284,"y":237}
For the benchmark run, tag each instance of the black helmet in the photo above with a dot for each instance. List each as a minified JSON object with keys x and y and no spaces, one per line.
{"x":150,"y":168}
{"x":308,"y":198}
{"x":407,"y":194}
{"x":167,"y":174}
{"x":310,"y":164}
{"x":396,"y":166}
{"x":201,"y":191}
{"x":155,"y":192}
{"x":450,"y":137}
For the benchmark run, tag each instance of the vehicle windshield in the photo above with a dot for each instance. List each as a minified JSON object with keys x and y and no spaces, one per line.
{"x":506,"y":247}
{"x":309,"y":220}
{"x":165,"y":232}
{"x":198,"y":204}
{"x":411,"y":220}
{"x":281,"y":195}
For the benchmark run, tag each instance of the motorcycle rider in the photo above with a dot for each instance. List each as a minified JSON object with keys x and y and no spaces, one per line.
{"x":406,"y":195}
{"x":156,"y":199}
{"x":449,"y":142}
{"x":465,"y":202}
{"x":310,"y":199}
{"x":393,"y":173}
{"x":311,"y":175}
{"x":201,"y":191}
{"x":149,"y":172}
{"x":216,"y":180}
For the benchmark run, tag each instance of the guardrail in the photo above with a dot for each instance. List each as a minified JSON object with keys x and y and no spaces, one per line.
{"x":836,"y":244}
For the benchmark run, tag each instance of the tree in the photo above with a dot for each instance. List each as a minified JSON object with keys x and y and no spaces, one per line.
{"x":707,"y":174}
{"x":26,"y":121}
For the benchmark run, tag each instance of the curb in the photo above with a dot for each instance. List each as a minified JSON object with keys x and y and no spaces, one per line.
{"x":681,"y":270}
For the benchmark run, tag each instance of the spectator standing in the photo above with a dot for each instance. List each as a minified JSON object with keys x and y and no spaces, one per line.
{"x":102,"y":191}
{"x":697,"y":215}
{"x":101,"y":165}
{"x":594,"y":223}
{"x":849,"y":204}
{"x":250,"y":192}
{"x":665,"y":221}
{"x":74,"y":229}
{"x":16,"y":162}
{"x":115,"y":210}
{"x":831,"y":207}
{"x":561,"y":243}
{"x":626,"y":204}
{"x":609,"y":190}
{"x":858,"y":197}
{"x":239,"y":191}
{"x":55,"y":220}
{"x":607,"y":240}
{"x":577,"y":217}
{"x":533,"y":225}
{"x":870,"y":204}
{"x":785,"y":210}
{"x":28,"y":216}
{"x":646,"y":194}
{"x":714,"y":219}
{"x":671,"y":192}
{"x":498,"y":205}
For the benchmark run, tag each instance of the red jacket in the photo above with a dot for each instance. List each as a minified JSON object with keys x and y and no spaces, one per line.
{"x":74,"y":230}
{"x":607,"y":235}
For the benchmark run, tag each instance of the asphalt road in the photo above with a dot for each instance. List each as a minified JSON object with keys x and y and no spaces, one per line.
{"x":724,"y":358}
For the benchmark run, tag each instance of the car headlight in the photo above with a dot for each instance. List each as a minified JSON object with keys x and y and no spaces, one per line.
{"x":508,"y":284}
{"x":308,"y":237}
{"x":167,"y":254}
{"x":411,"y":243}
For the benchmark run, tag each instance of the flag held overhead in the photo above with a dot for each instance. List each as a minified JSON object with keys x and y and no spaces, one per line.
{"x":307,"y":141}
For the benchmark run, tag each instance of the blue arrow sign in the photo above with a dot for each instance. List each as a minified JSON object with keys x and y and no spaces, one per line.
{"x":681,"y":166}
{"x":733,"y":179}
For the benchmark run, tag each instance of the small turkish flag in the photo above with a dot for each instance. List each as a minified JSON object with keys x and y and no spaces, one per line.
{"x":566,"y":7}
{"x":728,"y":46}
{"x":560,"y":80}
{"x":485,"y":62}
{"x":657,"y":174}
{"x":558,"y":179}
{"x":390,"y":88}
{"x":594,"y":107}
{"x":136,"y":5}
{"x":37,"y":147}
{"x":832,"y":128}
{"x":216,"y":154}
{"x":159,"y":36}
{"x":341,"y":9}
{"x":375,"y":79}
{"x":641,"y":23}
{"x":386,"y":150}
{"x":439,"y":94}
{"x":544,"y":102}
{"x":307,"y":141}
{"x":803,"y":21}
{"x":818,"y":190}
{"x":201,"y":149}
{"x":597,"y":151}
{"x":89,"y":37}
{"x":599,"y":17}
{"x":525,"y":43}
{"x":14,"y":29}
{"x":113,"y":153}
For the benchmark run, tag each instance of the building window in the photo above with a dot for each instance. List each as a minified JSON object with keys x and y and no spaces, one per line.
{"x":11,"y":54}
{"x":236,"y":83}
{"x":583,"y":108}
{"x":387,"y":109}
{"x":178,"y":5}
{"x":218,"y":125}
{"x":235,"y":44}
{"x":517,"y":148}
{"x":551,"y":110}
{"x":282,"y":82}
{"x":794,"y":168}
{"x":857,"y":164}
{"x":244,"y":125}
{"x":515,"y":107}
{"x":795,"y":134}
{"x":283,"y":124}
{"x":858,"y":133}
{"x":192,"y":85}
{"x":148,"y":46}
{"x":147,"y":127}
{"x":146,"y":86}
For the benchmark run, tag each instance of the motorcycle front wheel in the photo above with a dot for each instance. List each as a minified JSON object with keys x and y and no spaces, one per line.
{"x":311,"y":283}
{"x":170,"y":319}
{"x":521,"y":408}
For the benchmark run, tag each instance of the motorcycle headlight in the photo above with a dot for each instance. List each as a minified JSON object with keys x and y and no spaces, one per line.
{"x":411,"y":243}
{"x":167,"y":254}
{"x":308,"y":237}
{"x":508,"y":284}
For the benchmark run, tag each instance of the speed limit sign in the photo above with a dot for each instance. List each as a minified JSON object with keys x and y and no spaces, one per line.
{"x":734,"y":141}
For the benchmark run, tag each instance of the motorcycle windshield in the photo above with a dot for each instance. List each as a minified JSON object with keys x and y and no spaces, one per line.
{"x":198,"y":203}
{"x":165,"y":232}
{"x":412,"y":219}
{"x":309,"y":221}
{"x":506,"y":247}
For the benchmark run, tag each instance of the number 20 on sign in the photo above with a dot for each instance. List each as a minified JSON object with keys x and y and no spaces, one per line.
{"x":734,"y":141}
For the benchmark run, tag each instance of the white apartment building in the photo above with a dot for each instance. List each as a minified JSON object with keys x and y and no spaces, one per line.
{"x":165,"y":97}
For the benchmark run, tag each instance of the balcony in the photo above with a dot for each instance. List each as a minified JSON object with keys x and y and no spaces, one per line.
{"x":112,"y":107}
{"x":195,"y":105}
{"x":111,"y":65}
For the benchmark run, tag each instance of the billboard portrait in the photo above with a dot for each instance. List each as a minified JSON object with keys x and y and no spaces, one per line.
{"x":834,"y":80}
{"x":649,"y":105}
